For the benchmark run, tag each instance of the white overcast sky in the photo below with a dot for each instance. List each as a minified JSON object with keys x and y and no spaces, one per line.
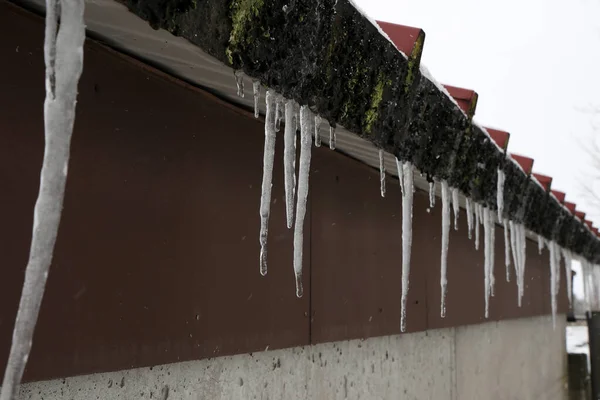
{"x":534,"y":63}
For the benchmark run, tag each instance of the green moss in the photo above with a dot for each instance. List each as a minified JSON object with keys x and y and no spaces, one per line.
{"x":413,"y":63}
{"x":376,"y":98}
{"x":242,"y":14}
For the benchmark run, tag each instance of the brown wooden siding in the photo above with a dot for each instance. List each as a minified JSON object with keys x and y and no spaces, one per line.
{"x":157,"y":255}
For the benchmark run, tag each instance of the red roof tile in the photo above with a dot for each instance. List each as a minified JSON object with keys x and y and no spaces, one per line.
{"x":570,"y":206}
{"x":500,"y":137}
{"x":466,"y":99}
{"x":404,"y":37}
{"x":588,"y":223}
{"x":545,"y":180}
{"x":525,"y":162}
{"x":560,"y":196}
{"x":580,"y":215}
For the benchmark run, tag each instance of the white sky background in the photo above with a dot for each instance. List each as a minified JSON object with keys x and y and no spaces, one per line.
{"x":535,"y":65}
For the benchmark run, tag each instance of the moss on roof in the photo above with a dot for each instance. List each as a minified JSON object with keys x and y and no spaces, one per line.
{"x":328,"y":55}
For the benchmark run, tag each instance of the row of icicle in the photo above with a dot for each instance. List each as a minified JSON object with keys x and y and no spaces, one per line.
{"x":279,"y":109}
{"x":515,"y":239}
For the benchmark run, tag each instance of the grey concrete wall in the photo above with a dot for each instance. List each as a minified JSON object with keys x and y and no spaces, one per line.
{"x":513,"y":359}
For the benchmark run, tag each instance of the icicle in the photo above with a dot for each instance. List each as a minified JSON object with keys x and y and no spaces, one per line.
{"x":557,"y":254}
{"x":431,"y":194}
{"x":331,"y":137}
{"x":278,"y":104}
{"x":568,"y":259}
{"x":400,"y":169}
{"x":477,"y":223}
{"x":289,"y":161}
{"x":317,"y":131}
{"x":486,"y":263}
{"x":506,"y":250}
{"x":445,"y":242}
{"x":469,"y":211}
{"x":239,"y":81}
{"x":540,"y":243}
{"x":256,"y":87}
{"x":382,"y":173}
{"x":265,"y":198}
{"x":491,"y":262}
{"x":456,"y":207}
{"x":522,"y":247}
{"x":305,"y":153}
{"x":553,"y":284}
{"x":500,"y":193}
{"x":515,"y":254}
{"x":63,"y":53}
{"x":407,"y":213}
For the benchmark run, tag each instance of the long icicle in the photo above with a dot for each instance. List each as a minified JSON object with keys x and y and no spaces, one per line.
{"x":400,"y":169}
{"x":382,"y":172}
{"x":552,"y":248}
{"x":256,"y":89}
{"x":265,"y":198}
{"x":500,"y":194}
{"x":469,"y":211}
{"x":289,"y":161}
{"x":63,"y":53}
{"x":491,"y":264}
{"x":304,"y":170}
{"x":506,"y":249}
{"x":486,"y":263}
{"x":318,"y":120}
{"x":455,"y":207}
{"x":445,"y":242}
{"x":432,"y":194}
{"x":406,"y":183}
{"x":522,"y":259}
{"x":540,"y":243}
{"x":515,"y":254}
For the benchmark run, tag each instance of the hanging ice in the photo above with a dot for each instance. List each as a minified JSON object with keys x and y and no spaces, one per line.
{"x":63,"y":54}
{"x":469,"y":211}
{"x":306,"y":118}
{"x":486,"y":263}
{"x":256,"y":88}
{"x":568,"y":260}
{"x":520,"y":253}
{"x":265,"y":197}
{"x":432,"y":194}
{"x":331,"y":137}
{"x":400,"y":169}
{"x":318,"y":131}
{"x":382,"y":173}
{"x":239,"y":81}
{"x":455,"y":207}
{"x":553,"y":282}
{"x":540,"y":243}
{"x":289,"y":161}
{"x":506,"y":249}
{"x":500,"y":193}
{"x":278,"y":105}
{"x":445,"y":242}
{"x":477,"y":208}
{"x":492,"y":255}
{"x":515,"y":254}
{"x":406,"y":182}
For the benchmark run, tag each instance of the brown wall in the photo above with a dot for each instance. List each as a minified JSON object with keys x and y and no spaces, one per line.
{"x":157,"y":255}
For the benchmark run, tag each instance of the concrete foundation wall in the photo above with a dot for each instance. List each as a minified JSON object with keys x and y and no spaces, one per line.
{"x":513,"y":359}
